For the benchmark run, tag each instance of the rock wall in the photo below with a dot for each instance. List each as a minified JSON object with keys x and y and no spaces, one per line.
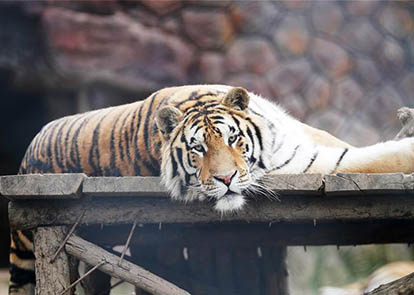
{"x":343,"y":66}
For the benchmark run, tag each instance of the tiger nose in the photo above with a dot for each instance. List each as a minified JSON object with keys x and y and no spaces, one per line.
{"x":227,"y":178}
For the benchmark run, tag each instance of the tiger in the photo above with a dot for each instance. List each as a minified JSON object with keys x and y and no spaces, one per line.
{"x":206,"y":142}
{"x":383,"y":275}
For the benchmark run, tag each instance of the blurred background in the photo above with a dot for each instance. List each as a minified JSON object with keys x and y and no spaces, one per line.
{"x":344,"y":66}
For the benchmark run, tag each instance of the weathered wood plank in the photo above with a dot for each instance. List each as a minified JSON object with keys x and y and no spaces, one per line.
{"x":295,"y":183}
{"x":362,"y":184}
{"x":42,"y":186}
{"x":68,"y":186}
{"x":139,"y":277}
{"x":292,"y":209}
{"x":124,"y":186}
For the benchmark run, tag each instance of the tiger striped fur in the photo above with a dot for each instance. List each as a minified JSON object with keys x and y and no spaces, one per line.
{"x":206,"y":141}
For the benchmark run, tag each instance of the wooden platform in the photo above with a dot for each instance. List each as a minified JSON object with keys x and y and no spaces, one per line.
{"x":313,"y":209}
{"x":343,"y":209}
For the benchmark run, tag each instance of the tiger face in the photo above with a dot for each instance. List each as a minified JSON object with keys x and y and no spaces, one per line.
{"x":207,"y":152}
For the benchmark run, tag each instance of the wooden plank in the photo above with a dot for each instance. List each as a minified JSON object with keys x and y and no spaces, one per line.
{"x":362,"y":184}
{"x":42,"y":186}
{"x":33,"y":213}
{"x":39,"y":186}
{"x":225,"y":236}
{"x":295,"y":183}
{"x":67,"y":186}
{"x":124,"y":186}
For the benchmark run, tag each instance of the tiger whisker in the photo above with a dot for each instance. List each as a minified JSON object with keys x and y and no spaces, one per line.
{"x":261,"y":188}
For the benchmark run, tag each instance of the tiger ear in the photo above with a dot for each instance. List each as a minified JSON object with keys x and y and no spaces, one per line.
{"x":237,"y":98}
{"x":167,"y":118}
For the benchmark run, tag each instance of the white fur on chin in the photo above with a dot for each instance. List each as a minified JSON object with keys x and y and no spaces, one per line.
{"x":230,"y":203}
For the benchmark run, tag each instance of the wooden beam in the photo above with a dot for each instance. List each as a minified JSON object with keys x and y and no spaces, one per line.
{"x":139,"y":277}
{"x":292,"y":209}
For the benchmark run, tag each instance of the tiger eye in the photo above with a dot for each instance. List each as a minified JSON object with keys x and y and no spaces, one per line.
{"x":198,"y":148}
{"x":232,"y":139}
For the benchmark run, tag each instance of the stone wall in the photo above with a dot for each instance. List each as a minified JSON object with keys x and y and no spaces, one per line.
{"x":346,"y":66}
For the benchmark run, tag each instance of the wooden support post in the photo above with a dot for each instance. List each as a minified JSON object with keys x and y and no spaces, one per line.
{"x":52,"y":278}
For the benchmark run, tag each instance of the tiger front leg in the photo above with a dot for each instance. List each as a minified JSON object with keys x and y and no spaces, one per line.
{"x":392,"y":156}
{"x":387,"y":157}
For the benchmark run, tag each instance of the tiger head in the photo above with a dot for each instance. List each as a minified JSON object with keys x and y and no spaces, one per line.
{"x":209,"y":150}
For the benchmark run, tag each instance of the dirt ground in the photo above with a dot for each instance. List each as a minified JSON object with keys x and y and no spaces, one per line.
{"x":4,"y":279}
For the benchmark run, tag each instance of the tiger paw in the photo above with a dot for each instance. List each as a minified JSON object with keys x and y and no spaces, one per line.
{"x":230,"y":203}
